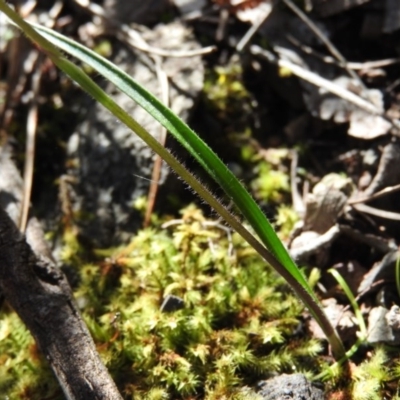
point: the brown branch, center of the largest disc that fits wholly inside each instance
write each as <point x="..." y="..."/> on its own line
<point x="40" y="294"/>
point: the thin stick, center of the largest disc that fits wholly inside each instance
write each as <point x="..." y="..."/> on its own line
<point x="367" y="65"/>
<point x="133" y="37"/>
<point x="377" y="212"/>
<point x="40" y="294"/>
<point x="297" y="201"/>
<point x="155" y="177"/>
<point x="330" y="86"/>
<point x="31" y="129"/>
<point x="252" y="31"/>
<point x="324" y="39"/>
<point x="220" y="32"/>
<point x="381" y="193"/>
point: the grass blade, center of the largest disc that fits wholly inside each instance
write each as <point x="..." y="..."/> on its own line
<point x="190" y="140"/>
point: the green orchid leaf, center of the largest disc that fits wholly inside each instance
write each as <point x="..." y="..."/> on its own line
<point x="277" y="255"/>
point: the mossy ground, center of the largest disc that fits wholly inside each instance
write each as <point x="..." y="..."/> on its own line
<point x="240" y="322"/>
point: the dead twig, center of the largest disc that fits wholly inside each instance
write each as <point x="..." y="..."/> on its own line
<point x="297" y="200"/>
<point x="40" y="294"/>
<point x="31" y="129"/>
<point x="222" y="25"/>
<point x="329" y="86"/>
<point x="377" y="195"/>
<point x="324" y="39"/>
<point x="133" y="37"/>
<point x="367" y="65"/>
<point x="32" y="120"/>
<point x="377" y="212"/>
<point x="156" y="173"/>
<point x="252" y="31"/>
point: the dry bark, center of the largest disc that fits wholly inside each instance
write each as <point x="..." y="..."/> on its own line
<point x="40" y="294"/>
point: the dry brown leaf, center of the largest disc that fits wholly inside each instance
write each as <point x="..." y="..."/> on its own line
<point x="247" y="10"/>
<point x="363" y="125"/>
<point x="366" y="126"/>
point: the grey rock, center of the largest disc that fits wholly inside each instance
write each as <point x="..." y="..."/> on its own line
<point x="384" y="326"/>
<point x="111" y="166"/>
<point x="289" y="387"/>
<point x="378" y="329"/>
<point x="172" y="303"/>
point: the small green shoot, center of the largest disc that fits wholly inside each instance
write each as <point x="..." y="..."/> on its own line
<point x="353" y="302"/>
<point x="331" y="370"/>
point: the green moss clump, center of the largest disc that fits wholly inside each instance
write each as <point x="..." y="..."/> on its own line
<point x="24" y="375"/>
<point x="232" y="331"/>
<point x="285" y="221"/>
<point x="225" y="92"/>
<point x="234" y="328"/>
<point x="371" y="376"/>
<point x="270" y="183"/>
